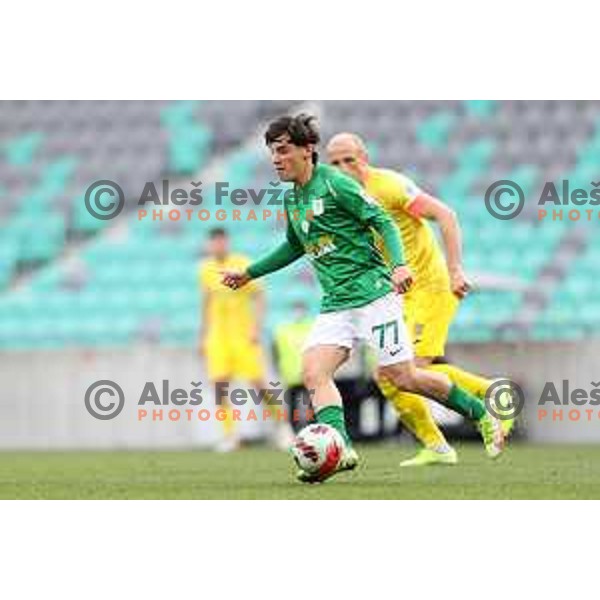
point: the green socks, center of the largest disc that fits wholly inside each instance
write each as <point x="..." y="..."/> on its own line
<point x="334" y="417"/>
<point x="462" y="402"/>
<point x="466" y="404"/>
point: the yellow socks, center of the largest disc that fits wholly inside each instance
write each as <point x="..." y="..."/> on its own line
<point x="414" y="412"/>
<point x="229" y="426"/>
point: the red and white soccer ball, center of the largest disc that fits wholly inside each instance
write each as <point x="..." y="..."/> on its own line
<point x="318" y="449"/>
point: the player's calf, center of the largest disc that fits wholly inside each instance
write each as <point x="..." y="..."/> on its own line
<point x="319" y="366"/>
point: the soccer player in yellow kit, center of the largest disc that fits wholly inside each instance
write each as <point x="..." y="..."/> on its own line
<point x="431" y="304"/>
<point x="231" y="324"/>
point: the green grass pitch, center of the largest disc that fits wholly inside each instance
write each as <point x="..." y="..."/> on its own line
<point x="525" y="471"/>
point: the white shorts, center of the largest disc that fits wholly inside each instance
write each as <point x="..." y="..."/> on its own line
<point x="379" y="324"/>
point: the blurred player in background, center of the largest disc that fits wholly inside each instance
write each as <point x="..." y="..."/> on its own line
<point x="332" y="220"/>
<point x="288" y="337"/>
<point x="230" y="335"/>
<point x="431" y="304"/>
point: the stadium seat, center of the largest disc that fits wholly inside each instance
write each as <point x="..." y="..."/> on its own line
<point x="142" y="282"/>
<point x="434" y="131"/>
<point x="21" y="151"/>
<point x="480" y="108"/>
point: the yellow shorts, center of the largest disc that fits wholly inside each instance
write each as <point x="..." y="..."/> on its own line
<point x="234" y="359"/>
<point x="428" y="316"/>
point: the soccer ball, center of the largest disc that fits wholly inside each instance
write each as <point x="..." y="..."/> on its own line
<point x="318" y="449"/>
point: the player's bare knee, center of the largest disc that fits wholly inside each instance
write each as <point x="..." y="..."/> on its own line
<point x="422" y="362"/>
<point x="319" y="365"/>
<point x="313" y="375"/>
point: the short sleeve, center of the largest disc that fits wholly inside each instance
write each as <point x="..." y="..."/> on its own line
<point x="401" y="190"/>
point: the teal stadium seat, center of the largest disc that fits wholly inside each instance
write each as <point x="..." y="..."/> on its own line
<point x="435" y="130"/>
<point x="146" y="280"/>
<point x="189" y="139"/>
<point x="8" y="259"/>
<point x="483" y="109"/>
<point x="21" y="150"/>
<point x="477" y="154"/>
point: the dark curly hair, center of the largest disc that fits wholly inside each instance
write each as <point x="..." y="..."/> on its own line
<point x="303" y="129"/>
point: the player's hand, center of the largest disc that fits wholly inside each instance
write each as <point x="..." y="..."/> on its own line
<point x="235" y="279"/>
<point x="402" y="279"/>
<point x="459" y="283"/>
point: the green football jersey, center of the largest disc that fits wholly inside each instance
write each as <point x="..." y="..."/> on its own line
<point x="332" y="219"/>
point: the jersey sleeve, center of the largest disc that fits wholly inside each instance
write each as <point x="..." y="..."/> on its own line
<point x="404" y="192"/>
<point x="401" y="190"/>
<point x="286" y="253"/>
<point x="351" y="197"/>
<point x="292" y="239"/>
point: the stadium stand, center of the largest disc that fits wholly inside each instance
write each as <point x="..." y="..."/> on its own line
<point x="67" y="278"/>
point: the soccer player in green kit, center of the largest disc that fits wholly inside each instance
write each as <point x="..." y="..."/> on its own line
<point x="332" y="221"/>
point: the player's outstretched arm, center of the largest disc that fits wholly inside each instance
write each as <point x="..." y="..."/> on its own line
<point x="429" y="207"/>
<point x="285" y="254"/>
<point x="282" y="256"/>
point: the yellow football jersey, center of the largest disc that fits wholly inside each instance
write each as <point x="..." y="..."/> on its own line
<point x="230" y="312"/>
<point x="395" y="192"/>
